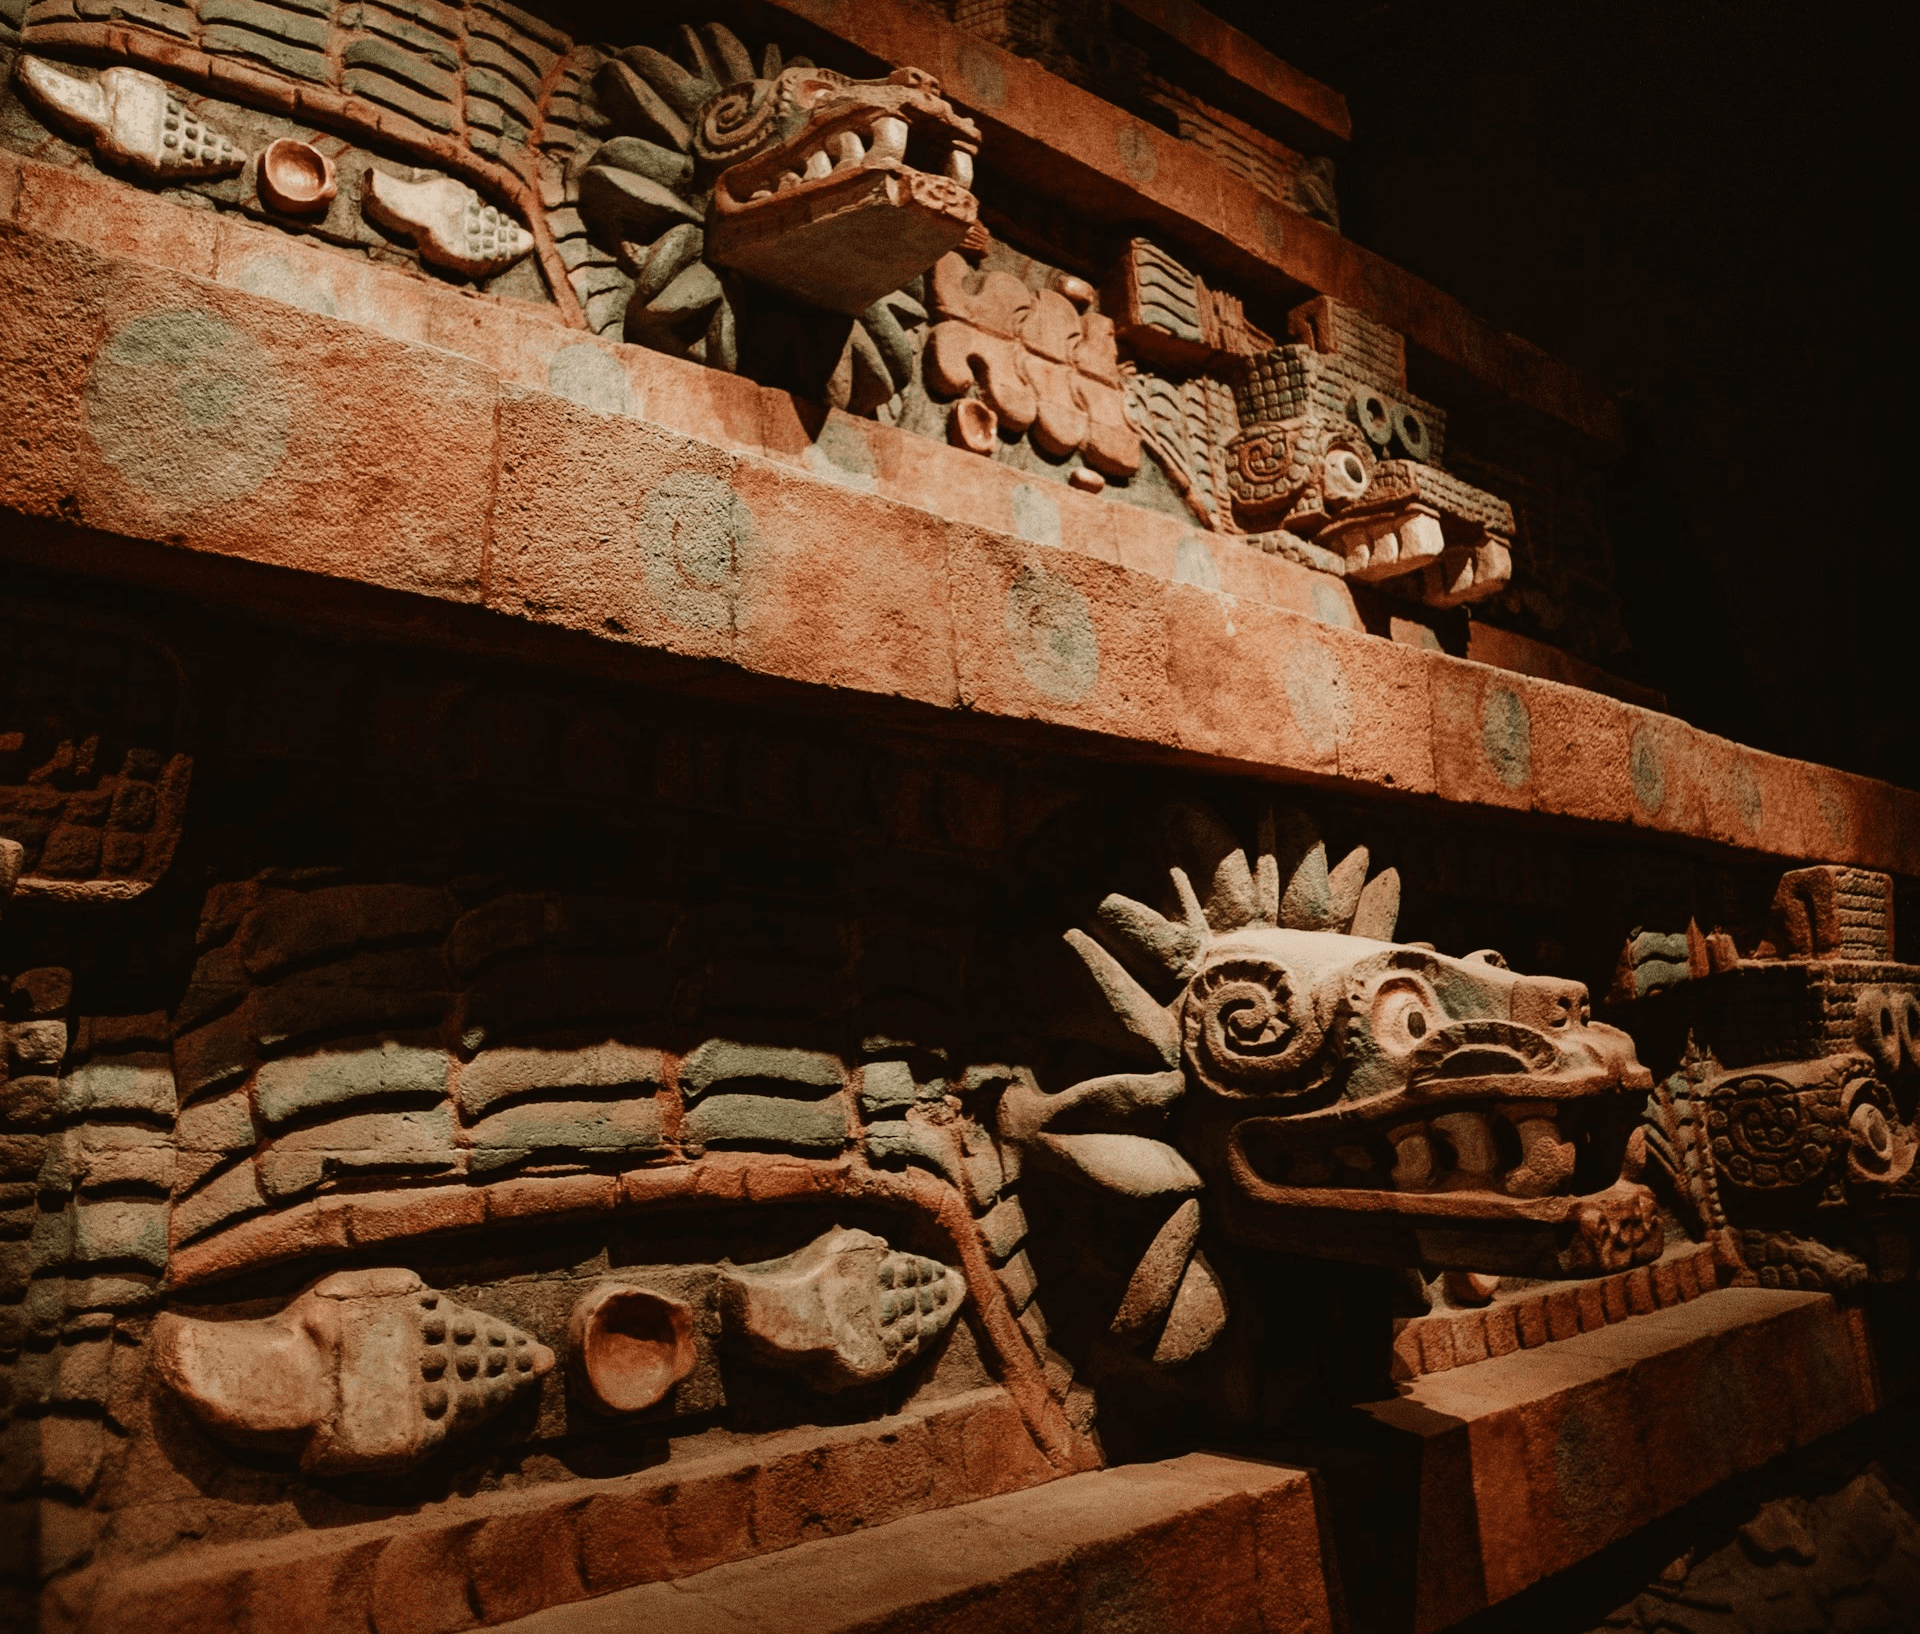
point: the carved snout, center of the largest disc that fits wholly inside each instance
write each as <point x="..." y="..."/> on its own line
<point x="1550" y="1004"/>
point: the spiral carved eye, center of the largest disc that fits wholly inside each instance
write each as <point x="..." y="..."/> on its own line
<point x="1248" y="1031"/>
<point x="736" y="122"/>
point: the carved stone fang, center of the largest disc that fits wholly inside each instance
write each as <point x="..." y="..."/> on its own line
<point x="889" y="139"/>
<point x="134" y="118"/>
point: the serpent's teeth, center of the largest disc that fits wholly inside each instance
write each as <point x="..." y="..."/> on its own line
<point x="960" y="167"/>
<point x="848" y="153"/>
<point x="819" y="166"/>
<point x="889" y="139"/>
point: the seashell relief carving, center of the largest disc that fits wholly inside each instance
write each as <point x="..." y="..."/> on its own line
<point x="845" y="1310"/>
<point x="367" y="1371"/>
<point x="373" y="1371"/>
<point x="133" y="119"/>
<point x="627" y="1347"/>
<point x="453" y="226"/>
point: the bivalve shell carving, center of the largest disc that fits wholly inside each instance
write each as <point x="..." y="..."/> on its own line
<point x="296" y="177"/>
<point x="627" y="1347"/>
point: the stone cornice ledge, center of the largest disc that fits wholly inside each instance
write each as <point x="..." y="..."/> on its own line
<point x="405" y="466"/>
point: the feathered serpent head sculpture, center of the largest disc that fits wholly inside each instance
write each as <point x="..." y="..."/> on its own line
<point x="728" y="175"/>
<point x="1336" y="1092"/>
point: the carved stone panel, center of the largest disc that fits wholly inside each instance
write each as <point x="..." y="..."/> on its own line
<point x="95" y="755"/>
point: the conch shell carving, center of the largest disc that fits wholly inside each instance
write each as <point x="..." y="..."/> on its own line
<point x="134" y="118"/>
<point x="452" y="226"/>
<point x="367" y="1371"/>
<point x="845" y="1310"/>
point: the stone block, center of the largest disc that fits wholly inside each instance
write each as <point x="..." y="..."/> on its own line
<point x="365" y="993"/>
<point x="227" y="1196"/>
<point x="1199" y="1542"/>
<point x="722" y="1061"/>
<point x="36" y="1046"/>
<point x="1044" y="634"/>
<point x="1003" y="1228"/>
<point x="419" y="1139"/>
<point x="120" y="1229"/>
<point x="886" y="1087"/>
<point x="507" y="924"/>
<point x="336" y="452"/>
<point x="585" y="1128"/>
<point x="21" y="1156"/>
<point x="1252" y="681"/>
<point x="908" y="1141"/>
<point x="767" y="1120"/>
<point x="841" y="588"/>
<point x="1582" y="753"/>
<point x="301" y="1084"/>
<point x="110" y="1085"/>
<point x="217" y="1123"/>
<point x="499" y="1076"/>
<point x="1540" y="1458"/>
<point x="297" y="929"/>
<point x="616" y="527"/>
<point x="1483" y="750"/>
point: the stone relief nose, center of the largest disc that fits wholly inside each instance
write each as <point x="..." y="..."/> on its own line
<point x="1549" y="1003"/>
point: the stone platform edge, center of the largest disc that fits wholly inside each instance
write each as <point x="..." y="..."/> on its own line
<point x="1531" y="1462"/>
<point x="473" y="1561"/>
<point x="1201" y="1542"/>
<point x="728" y="531"/>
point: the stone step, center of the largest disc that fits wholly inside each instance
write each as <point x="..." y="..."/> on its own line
<point x="1523" y="1465"/>
<point x="1204" y="1543"/>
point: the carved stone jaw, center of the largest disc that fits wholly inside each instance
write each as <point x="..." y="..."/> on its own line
<point x="833" y="213"/>
<point x="1465" y="1092"/>
<point x="833" y="125"/>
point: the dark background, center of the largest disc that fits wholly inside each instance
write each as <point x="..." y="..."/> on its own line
<point x="1700" y="204"/>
